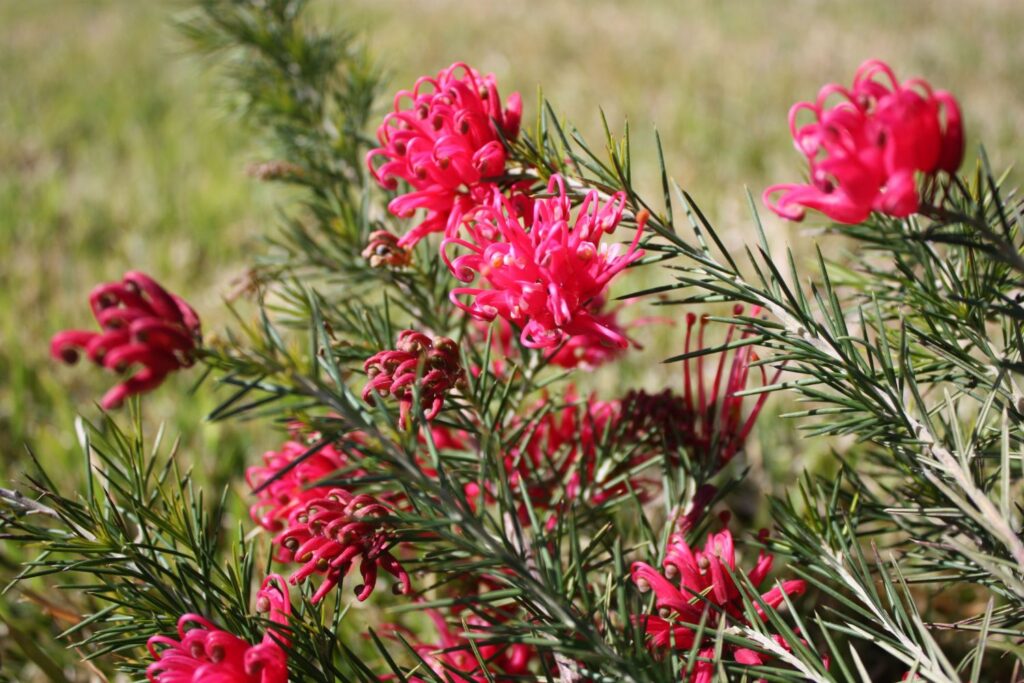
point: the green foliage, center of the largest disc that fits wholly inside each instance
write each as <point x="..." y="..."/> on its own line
<point x="910" y="346"/>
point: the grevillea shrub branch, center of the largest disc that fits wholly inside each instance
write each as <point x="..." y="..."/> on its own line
<point x="473" y="474"/>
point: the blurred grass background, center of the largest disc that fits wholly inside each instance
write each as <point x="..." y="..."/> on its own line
<point x="116" y="153"/>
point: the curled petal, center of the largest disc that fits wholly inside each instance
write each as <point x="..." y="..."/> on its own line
<point x="65" y="345"/>
<point x="141" y="323"/>
<point x="865" y="150"/>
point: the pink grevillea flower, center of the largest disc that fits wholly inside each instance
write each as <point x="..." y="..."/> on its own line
<point x="141" y="325"/>
<point x="327" y="535"/>
<point x="556" y="459"/>
<point x="588" y="351"/>
<point x="452" y="657"/>
<point x="699" y="582"/>
<point x="204" y="653"/>
<point x="582" y="351"/>
<point x="866" y="147"/>
<point x="708" y="419"/>
<point x="444" y="138"/>
<point x="283" y="487"/>
<point x="396" y="373"/>
<point x="545" y="278"/>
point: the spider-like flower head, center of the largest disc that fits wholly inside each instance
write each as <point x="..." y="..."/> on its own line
<point x="285" y="481"/>
<point x="204" y="653"/>
<point x="582" y="351"/>
<point x="545" y="274"/>
<point x="329" y="534"/>
<point x="698" y="581"/>
<point x="431" y="365"/>
<point x="867" y="146"/>
<point x="708" y="419"/>
<point x="444" y="138"/>
<point x="141" y="326"/>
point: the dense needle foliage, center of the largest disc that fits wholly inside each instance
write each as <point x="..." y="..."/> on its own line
<point x="420" y="331"/>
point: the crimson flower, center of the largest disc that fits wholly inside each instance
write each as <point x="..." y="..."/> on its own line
<point x="866" y="148"/>
<point x="705" y="587"/>
<point x="556" y="460"/>
<point x="396" y="373"/>
<point x="452" y="657"/>
<point x="141" y="324"/>
<point x="290" y="485"/>
<point x="708" y="419"/>
<point x="444" y="138"/>
<point x="543" y="274"/>
<point x="582" y="351"/>
<point x="328" y="534"/>
<point x="204" y="653"/>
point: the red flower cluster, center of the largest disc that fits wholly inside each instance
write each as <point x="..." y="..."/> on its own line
<point x="444" y="138"/>
<point x="328" y="534"/>
<point x="558" y="456"/>
<point x="452" y="657"/>
<point x="207" y="654"/>
<point x="396" y="372"/>
<point x="707" y="420"/>
<point x="865" y="149"/>
<point x="705" y="586"/>
<point x="578" y="351"/>
<point x="290" y="490"/>
<point x="141" y="325"/>
<point x="544" y="279"/>
<point x="587" y="351"/>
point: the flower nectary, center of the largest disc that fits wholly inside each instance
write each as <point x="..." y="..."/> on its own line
<point x="867" y="147"/>
<point x="327" y="535"/>
<point x="543" y="274"/>
<point x="141" y="325"/>
<point x="444" y="138"/>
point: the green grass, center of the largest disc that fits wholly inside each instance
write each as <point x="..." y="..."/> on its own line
<point x="113" y="157"/>
<point x="115" y="154"/>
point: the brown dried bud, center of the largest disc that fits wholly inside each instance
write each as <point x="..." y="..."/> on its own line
<point x="382" y="251"/>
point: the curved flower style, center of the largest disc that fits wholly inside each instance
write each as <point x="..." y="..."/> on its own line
<point x="544" y="279"/>
<point x="326" y="536"/>
<point x="204" y="653"/>
<point x="444" y="138"/>
<point x="452" y="657"/>
<point x="865" y="150"/>
<point x="279" y="498"/>
<point x="397" y="371"/>
<point x="706" y="420"/>
<point x="705" y="586"/>
<point x="141" y="324"/>
<point x="587" y="351"/>
<point x="582" y="351"/>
